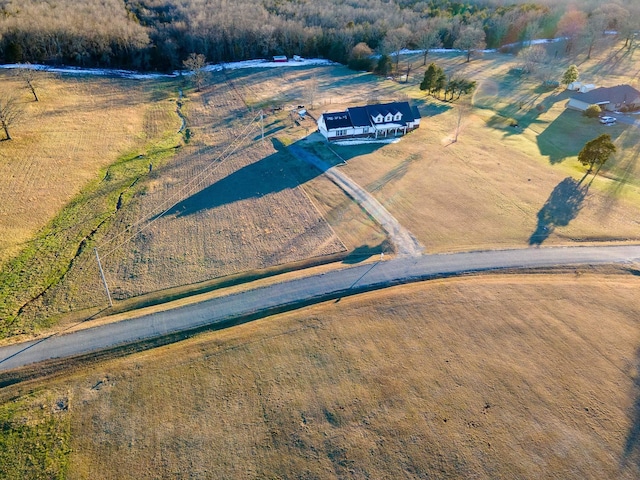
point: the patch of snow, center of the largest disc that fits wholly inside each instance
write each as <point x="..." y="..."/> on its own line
<point x="145" y="76"/>
<point x="267" y="64"/>
<point x="87" y="71"/>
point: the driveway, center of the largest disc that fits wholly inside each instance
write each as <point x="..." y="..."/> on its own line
<point x="403" y="240"/>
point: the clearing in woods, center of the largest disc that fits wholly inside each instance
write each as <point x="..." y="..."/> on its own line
<point x="505" y="376"/>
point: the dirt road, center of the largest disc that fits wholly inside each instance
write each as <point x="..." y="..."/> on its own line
<point x="405" y="243"/>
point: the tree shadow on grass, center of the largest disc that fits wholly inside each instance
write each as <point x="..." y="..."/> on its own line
<point x="429" y="107"/>
<point x="562" y="206"/>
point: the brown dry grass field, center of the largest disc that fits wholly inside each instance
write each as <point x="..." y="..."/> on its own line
<point x="79" y="126"/>
<point x="484" y="377"/>
<point x="497" y="376"/>
<point x="243" y="205"/>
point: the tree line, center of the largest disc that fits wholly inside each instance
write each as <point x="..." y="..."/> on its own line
<point x="161" y="34"/>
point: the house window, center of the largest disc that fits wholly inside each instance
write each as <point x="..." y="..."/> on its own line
<point x="377" y="118"/>
<point x="342" y="133"/>
<point x="388" y="118"/>
<point x="398" y="116"/>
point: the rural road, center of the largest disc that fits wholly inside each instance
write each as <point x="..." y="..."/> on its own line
<point x="405" y="243"/>
<point x="303" y="291"/>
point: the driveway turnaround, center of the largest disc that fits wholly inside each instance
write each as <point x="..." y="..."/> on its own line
<point x="300" y="292"/>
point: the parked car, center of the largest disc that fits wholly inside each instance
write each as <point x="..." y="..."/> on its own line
<point x="607" y="120"/>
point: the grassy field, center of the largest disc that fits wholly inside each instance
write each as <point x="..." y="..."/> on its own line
<point x="229" y="203"/>
<point x="486" y="377"/>
<point x="498" y="186"/>
<point x="73" y="162"/>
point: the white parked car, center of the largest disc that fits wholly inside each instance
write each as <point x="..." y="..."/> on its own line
<point x="607" y="120"/>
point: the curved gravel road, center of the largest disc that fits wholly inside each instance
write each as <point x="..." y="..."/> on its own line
<point x="403" y="240"/>
<point x="303" y="291"/>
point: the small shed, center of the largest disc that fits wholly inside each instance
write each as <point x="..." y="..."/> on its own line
<point x="575" y="86"/>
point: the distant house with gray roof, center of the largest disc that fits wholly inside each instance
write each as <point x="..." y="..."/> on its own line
<point x="612" y="99"/>
<point x="370" y="121"/>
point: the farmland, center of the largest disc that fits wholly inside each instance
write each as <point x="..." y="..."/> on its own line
<point x="495" y="376"/>
<point x="510" y="376"/>
<point x="220" y="201"/>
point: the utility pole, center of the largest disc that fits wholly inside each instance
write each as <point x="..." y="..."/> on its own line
<point x="104" y="280"/>
<point x="262" y="125"/>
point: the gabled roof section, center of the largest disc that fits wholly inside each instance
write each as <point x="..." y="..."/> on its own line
<point x="408" y="113"/>
<point x="363" y="116"/>
<point x="616" y="95"/>
<point x="337" y="120"/>
<point x="359" y="117"/>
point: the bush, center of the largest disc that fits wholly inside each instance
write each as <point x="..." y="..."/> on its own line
<point x="593" y="111"/>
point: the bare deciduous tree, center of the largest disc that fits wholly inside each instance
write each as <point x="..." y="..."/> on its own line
<point x="470" y="39"/>
<point x="195" y="63"/>
<point x="571" y="25"/>
<point x="28" y="75"/>
<point x="10" y="112"/>
<point x="395" y="41"/>
<point x="532" y="58"/>
<point x="428" y="35"/>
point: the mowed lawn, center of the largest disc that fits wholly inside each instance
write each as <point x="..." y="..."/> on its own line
<point x="486" y="377"/>
<point x="472" y="180"/>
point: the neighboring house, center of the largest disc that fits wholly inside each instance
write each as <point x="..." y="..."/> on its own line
<point x="280" y="58"/>
<point x="609" y="98"/>
<point x="371" y="121"/>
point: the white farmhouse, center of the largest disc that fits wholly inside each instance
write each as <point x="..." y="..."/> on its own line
<point x="371" y="121"/>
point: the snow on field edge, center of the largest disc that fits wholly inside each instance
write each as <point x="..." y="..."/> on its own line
<point x="260" y="63"/>
<point x="144" y="76"/>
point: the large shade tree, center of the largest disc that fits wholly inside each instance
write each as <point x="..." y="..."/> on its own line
<point x="596" y="152"/>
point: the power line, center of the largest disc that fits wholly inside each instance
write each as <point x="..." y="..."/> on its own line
<point x="188" y="189"/>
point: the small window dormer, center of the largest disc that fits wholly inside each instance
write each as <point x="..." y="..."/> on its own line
<point x="378" y="118"/>
<point x="397" y="117"/>
<point x="388" y="117"/>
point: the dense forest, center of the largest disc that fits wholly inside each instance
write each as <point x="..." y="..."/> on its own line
<point x="160" y="34"/>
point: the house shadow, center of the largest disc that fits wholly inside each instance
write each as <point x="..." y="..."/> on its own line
<point x="568" y="134"/>
<point x="271" y="174"/>
<point x="562" y="206"/>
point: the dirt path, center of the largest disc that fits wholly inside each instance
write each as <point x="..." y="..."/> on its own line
<point x="403" y="240"/>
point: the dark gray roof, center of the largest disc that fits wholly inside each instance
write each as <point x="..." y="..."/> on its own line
<point x="408" y="113"/>
<point x="616" y="95"/>
<point x="337" y="120"/>
<point x="361" y="116"/>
